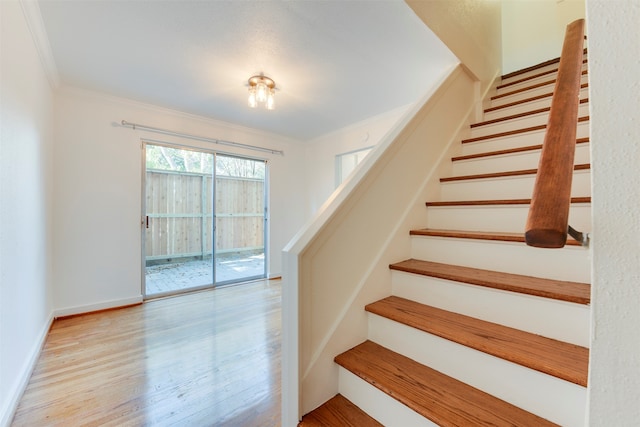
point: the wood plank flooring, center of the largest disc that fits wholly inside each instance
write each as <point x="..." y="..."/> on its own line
<point x="201" y="359"/>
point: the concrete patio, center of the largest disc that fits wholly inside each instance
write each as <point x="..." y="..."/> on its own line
<point x="174" y="277"/>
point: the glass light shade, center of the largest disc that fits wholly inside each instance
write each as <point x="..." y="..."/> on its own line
<point x="253" y="102"/>
<point x="261" y="92"/>
<point x="271" y="102"/>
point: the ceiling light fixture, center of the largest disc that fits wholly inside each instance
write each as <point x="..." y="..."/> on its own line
<point x="262" y="90"/>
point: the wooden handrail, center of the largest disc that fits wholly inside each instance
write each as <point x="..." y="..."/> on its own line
<point x="548" y="219"/>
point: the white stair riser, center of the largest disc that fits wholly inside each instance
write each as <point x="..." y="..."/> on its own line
<point x="509" y="96"/>
<point x="534" y="72"/>
<point x="517" y="140"/>
<point x="530" y="82"/>
<point x="527" y="106"/>
<point x="512" y="161"/>
<point x="502" y="218"/>
<point x="559" y="320"/>
<point x="511" y="187"/>
<point x="520" y="123"/>
<point x="570" y="263"/>
<point x="510" y="125"/>
<point x="377" y="404"/>
<point x="559" y="401"/>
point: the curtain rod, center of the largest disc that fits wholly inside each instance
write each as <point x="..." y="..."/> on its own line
<point x="200" y="138"/>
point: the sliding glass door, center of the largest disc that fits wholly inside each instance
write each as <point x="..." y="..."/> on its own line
<point x="204" y="219"/>
<point x="240" y="219"/>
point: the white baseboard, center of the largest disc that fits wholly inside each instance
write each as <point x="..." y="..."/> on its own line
<point x="98" y="306"/>
<point x="20" y="385"/>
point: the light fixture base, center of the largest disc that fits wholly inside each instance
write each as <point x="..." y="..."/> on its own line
<point x="268" y="82"/>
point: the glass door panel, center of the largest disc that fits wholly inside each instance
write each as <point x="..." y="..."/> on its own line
<point x="240" y="219"/>
<point x="179" y="214"/>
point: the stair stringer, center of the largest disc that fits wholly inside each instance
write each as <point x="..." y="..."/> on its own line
<point x="344" y="255"/>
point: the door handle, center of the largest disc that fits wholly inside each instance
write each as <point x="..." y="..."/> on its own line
<point x="147" y="221"/>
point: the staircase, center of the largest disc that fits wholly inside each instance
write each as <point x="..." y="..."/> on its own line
<point x="481" y="329"/>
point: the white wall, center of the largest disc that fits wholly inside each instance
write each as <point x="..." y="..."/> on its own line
<point x="97" y="240"/>
<point x="533" y="31"/>
<point x="321" y="153"/>
<point x="614" y="98"/>
<point x="26" y="144"/>
<point x="470" y="29"/>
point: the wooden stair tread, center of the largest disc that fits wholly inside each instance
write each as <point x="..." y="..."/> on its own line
<point x="496" y="202"/>
<point x="514" y="132"/>
<point x="535" y="67"/>
<point x="524" y="89"/>
<point x="584" y="166"/>
<point x="533" y="86"/>
<point x="478" y="235"/>
<point x="508" y="151"/>
<point x="518" y="116"/>
<point x="338" y="412"/>
<point x="438" y="397"/>
<point x="562" y="360"/>
<point x="511" y="117"/>
<point x="524" y="101"/>
<point x="579" y="293"/>
<point x="534" y="76"/>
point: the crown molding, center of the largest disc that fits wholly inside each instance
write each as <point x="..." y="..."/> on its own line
<point x="32" y="15"/>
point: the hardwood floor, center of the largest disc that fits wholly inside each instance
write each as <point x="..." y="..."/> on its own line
<point x="201" y="359"/>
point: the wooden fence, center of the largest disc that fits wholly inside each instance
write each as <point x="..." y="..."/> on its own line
<point x="180" y="210"/>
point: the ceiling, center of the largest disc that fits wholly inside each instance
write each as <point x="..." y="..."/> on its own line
<point x="334" y="62"/>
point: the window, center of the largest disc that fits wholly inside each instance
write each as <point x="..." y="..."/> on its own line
<point x="347" y="162"/>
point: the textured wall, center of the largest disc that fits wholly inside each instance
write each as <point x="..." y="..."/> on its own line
<point x="470" y="28"/>
<point x="614" y="67"/>
<point x="533" y="31"/>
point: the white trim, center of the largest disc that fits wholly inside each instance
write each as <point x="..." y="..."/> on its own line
<point x="80" y="309"/>
<point x="32" y="15"/>
<point x="16" y="392"/>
